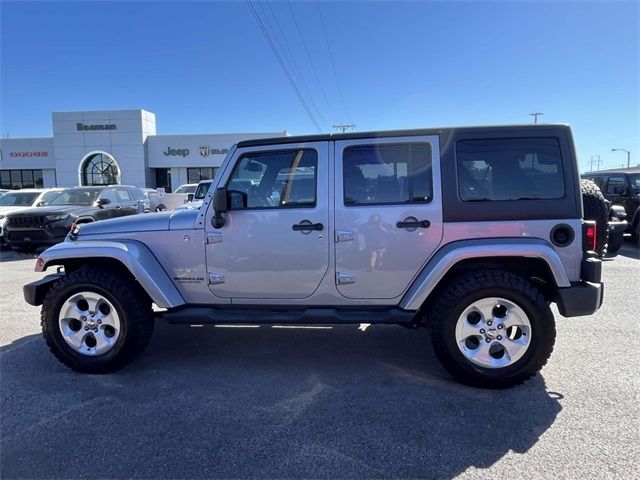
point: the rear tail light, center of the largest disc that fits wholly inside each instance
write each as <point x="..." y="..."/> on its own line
<point x="590" y="236"/>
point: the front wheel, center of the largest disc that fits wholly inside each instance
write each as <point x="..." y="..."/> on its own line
<point x="96" y="321"/>
<point x="492" y="329"/>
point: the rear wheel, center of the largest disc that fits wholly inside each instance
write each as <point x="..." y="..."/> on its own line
<point x="95" y="321"/>
<point x="492" y="329"/>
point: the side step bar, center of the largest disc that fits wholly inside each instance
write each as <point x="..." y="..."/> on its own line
<point x="283" y="315"/>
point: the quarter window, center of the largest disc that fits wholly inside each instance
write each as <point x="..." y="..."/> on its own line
<point x="276" y="179"/>
<point x="509" y="169"/>
<point x="387" y="174"/>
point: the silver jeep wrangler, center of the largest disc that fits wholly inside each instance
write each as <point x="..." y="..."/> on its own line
<point x="470" y="231"/>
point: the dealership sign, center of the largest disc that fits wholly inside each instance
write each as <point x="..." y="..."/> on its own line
<point x="103" y="126"/>
<point x="176" y="152"/>
<point x="29" y="154"/>
<point x="205" y="151"/>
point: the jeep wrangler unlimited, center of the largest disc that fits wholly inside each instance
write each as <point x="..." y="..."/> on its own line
<point x="470" y="231"/>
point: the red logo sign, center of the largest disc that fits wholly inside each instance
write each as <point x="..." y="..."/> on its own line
<point x="29" y="154"/>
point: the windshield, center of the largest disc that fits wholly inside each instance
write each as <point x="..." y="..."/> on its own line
<point x="634" y="180"/>
<point x="186" y="189"/>
<point x="76" y="196"/>
<point x="202" y="190"/>
<point x="18" y="199"/>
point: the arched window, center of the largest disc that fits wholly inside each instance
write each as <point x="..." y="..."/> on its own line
<point x="100" y="169"/>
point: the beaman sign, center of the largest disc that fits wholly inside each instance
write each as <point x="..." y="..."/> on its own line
<point x="104" y="126"/>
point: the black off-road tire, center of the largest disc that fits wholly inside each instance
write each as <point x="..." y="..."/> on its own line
<point x="131" y="303"/>
<point x="615" y="243"/>
<point x="596" y="208"/>
<point x="454" y="297"/>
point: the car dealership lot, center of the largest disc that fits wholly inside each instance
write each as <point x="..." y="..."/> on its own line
<point x="319" y="402"/>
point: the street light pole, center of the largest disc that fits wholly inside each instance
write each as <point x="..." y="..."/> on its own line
<point x="628" y="154"/>
<point x="535" y="116"/>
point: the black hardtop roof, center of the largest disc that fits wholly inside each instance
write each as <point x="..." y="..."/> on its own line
<point x="395" y="133"/>
<point x="615" y="170"/>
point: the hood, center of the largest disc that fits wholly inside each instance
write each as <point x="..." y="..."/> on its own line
<point x="6" y="210"/>
<point x="75" y="210"/>
<point x="145" y="222"/>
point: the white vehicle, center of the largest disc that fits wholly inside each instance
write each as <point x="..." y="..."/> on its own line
<point x="16" y="200"/>
<point x="171" y="201"/>
<point x="195" y="200"/>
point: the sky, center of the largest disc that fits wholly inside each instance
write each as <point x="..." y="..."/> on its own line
<point x="206" y="67"/>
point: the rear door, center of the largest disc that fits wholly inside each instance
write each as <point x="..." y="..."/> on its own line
<point x="388" y="213"/>
<point x="128" y="204"/>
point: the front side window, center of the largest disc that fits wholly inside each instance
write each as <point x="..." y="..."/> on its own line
<point x="276" y="179"/>
<point x="509" y="169"/>
<point x="387" y="174"/>
<point x="616" y="185"/>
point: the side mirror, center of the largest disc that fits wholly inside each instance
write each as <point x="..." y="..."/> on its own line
<point x="101" y="202"/>
<point x="190" y="197"/>
<point x="220" y="206"/>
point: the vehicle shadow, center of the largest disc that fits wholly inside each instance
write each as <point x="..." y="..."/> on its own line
<point x="8" y="255"/>
<point x="262" y="403"/>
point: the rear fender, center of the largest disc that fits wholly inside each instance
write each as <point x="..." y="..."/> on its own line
<point x="448" y="256"/>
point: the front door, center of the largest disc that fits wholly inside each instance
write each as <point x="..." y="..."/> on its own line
<point x="275" y="242"/>
<point x="388" y="213"/>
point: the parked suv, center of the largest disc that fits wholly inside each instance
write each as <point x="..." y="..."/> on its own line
<point x="621" y="187"/>
<point x="51" y="221"/>
<point x="470" y="231"/>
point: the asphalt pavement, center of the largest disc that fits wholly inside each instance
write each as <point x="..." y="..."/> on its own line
<point x="341" y="402"/>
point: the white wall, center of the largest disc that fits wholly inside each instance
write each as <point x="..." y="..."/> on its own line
<point x="124" y="142"/>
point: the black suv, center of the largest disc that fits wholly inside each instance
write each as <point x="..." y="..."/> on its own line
<point x="49" y="223"/>
<point x="621" y="187"/>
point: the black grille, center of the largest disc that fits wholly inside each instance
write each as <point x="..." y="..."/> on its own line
<point x="26" y="221"/>
<point x="33" y="236"/>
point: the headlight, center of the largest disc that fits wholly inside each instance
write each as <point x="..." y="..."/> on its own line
<point x="60" y="216"/>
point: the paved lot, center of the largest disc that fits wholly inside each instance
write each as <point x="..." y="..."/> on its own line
<point x="291" y="403"/>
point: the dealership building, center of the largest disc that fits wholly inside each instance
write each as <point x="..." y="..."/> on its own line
<point x="113" y="147"/>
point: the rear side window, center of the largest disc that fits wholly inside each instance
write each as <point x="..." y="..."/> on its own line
<point x="123" y="195"/>
<point x="509" y="169"/>
<point x="387" y="174"/>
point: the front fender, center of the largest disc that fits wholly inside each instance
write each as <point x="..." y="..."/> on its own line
<point x="453" y="253"/>
<point x="134" y="255"/>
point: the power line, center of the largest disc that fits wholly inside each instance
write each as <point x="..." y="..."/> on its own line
<point x="288" y="54"/>
<point x="313" y="68"/>
<point x="283" y="66"/>
<point x="333" y="66"/>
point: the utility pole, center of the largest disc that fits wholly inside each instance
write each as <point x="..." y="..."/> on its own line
<point x="628" y="154"/>
<point x="535" y="116"/>
<point x="594" y="159"/>
<point x="344" y="127"/>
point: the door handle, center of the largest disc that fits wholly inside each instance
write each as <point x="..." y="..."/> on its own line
<point x="414" y="224"/>
<point x="307" y="226"/>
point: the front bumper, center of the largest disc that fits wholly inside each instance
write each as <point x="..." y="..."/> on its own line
<point x="35" y="237"/>
<point x="34" y="292"/>
<point x="584" y="297"/>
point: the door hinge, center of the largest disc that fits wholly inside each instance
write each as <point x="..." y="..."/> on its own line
<point x="214" y="237"/>
<point x="215" y="278"/>
<point x="345" y="278"/>
<point x="345" y="235"/>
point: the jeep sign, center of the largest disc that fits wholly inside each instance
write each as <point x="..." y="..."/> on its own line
<point x="176" y="152"/>
<point x="106" y="126"/>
